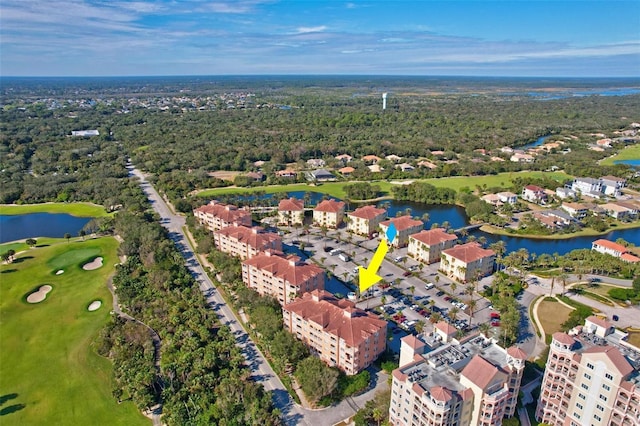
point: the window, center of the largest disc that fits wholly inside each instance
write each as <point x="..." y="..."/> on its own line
<point x="602" y="397"/>
<point x="587" y="376"/>
<point x="584" y="386"/>
<point x="606" y="387"/>
<point x="600" y="407"/>
<point x="576" y="415"/>
<point x="579" y="406"/>
<point x="581" y="396"/>
<point x="608" y="376"/>
<point x="597" y="417"/>
<point x="590" y="366"/>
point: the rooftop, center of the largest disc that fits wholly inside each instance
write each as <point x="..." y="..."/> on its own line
<point x="610" y="245"/>
<point x="291" y="204"/>
<point x="255" y="237"/>
<point x="227" y="212"/>
<point x="433" y="237"/>
<point x="367" y="212"/>
<point x="290" y="269"/>
<point x="403" y="222"/>
<point x="330" y="206"/>
<point x="469" y="252"/>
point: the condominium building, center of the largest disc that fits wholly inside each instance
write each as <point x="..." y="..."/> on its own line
<point x="336" y="331"/>
<point x="284" y="278"/>
<point x="365" y="220"/>
<point x="215" y="216"/>
<point x="426" y="246"/>
<point x="329" y="213"/>
<point x="591" y="378"/>
<point x="445" y="382"/>
<point x="467" y="262"/>
<point x="245" y="242"/>
<point x="405" y="226"/>
<point x="534" y="194"/>
<point x="608" y="247"/>
<point x="612" y="185"/>
<point x="291" y="212"/>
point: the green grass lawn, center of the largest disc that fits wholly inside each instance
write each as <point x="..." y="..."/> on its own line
<point x="552" y="315"/>
<point x="336" y="189"/>
<point x="48" y="361"/>
<point x="74" y="209"/>
<point x="629" y="153"/>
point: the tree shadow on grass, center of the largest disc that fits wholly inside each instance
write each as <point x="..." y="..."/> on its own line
<point x="43" y="245"/>
<point x="22" y="259"/>
<point x="11" y="409"/>
<point x="8" y="271"/>
<point x="7" y="397"/>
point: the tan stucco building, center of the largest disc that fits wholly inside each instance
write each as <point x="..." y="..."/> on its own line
<point x="405" y="226"/>
<point x="426" y="246"/>
<point x="291" y="212"/>
<point x="245" y="242"/>
<point x="365" y="220"/>
<point x="467" y="262"/>
<point x="329" y="213"/>
<point x="215" y="216"/>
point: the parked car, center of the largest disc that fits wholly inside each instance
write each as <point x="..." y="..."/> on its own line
<point x="429" y="286"/>
<point x="344" y="257"/>
<point x="413" y="268"/>
<point x="615" y="317"/>
<point x="399" y="259"/>
<point x="328" y="249"/>
<point x="495" y="315"/>
<point x="333" y="252"/>
<point x="495" y="323"/>
<point x="406" y="273"/>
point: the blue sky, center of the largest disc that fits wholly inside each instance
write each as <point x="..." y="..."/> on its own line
<point x="577" y="38"/>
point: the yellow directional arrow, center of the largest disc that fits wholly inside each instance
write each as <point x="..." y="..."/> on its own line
<point x="369" y="276"/>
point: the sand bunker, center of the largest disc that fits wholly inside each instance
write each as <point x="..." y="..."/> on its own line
<point x="94" y="264"/>
<point x="40" y="295"/>
<point x="94" y="306"/>
<point x="60" y="272"/>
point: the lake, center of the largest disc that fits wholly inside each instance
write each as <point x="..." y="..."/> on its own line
<point x="457" y="218"/>
<point x="634" y="163"/>
<point x="18" y="227"/>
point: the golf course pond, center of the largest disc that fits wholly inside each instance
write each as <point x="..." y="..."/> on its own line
<point x="34" y="225"/>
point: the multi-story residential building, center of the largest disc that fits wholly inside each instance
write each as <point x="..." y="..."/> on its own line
<point x="215" y="216"/>
<point x="507" y="197"/>
<point x="565" y="192"/>
<point x="290" y="212"/>
<point x="287" y="174"/>
<point x="576" y="210"/>
<point x="612" y="185"/>
<point x="608" y="247"/>
<point x="405" y="226"/>
<point x="467" y="262"/>
<point x="329" y="213"/>
<point x="284" y="278"/>
<point x="245" y="242"/>
<point x="446" y="382"/>
<point x="426" y="246"/>
<point x="335" y="330"/>
<point x="620" y="210"/>
<point x="534" y="194"/>
<point x="591" y="378"/>
<point x="588" y="186"/>
<point x="365" y="220"/>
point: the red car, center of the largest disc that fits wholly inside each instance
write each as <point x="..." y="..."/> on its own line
<point x="495" y="323"/>
<point x="495" y="315"/>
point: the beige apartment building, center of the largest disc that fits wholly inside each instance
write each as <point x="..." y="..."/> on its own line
<point x="245" y="242"/>
<point x="405" y="226"/>
<point x="342" y="335"/>
<point x="426" y="246"/>
<point x="291" y="212"/>
<point x="284" y="278"/>
<point x="329" y="213"/>
<point x="445" y="382"/>
<point x="467" y="262"/>
<point x="365" y="220"/>
<point x="215" y="216"/>
<point x="591" y="378"/>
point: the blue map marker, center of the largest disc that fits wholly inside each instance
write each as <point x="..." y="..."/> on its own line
<point x="391" y="233"/>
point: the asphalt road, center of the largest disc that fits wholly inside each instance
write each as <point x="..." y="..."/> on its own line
<point x="261" y="371"/>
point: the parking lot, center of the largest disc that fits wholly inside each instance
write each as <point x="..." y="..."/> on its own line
<point x="410" y="292"/>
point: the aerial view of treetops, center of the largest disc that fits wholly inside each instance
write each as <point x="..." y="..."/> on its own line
<point x="507" y="153"/>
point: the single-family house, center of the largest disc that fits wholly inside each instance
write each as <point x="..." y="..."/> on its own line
<point x="576" y="210"/>
<point x="320" y="175"/>
<point x="287" y="174"/>
<point x="393" y="158"/>
<point x="405" y="167"/>
<point x="316" y="163"/>
<point x="371" y="159"/>
<point x="329" y="213"/>
<point x="427" y="164"/>
<point x="507" y="197"/>
<point x="257" y="176"/>
<point x="620" y="210"/>
<point x="612" y="185"/>
<point x="492" y="199"/>
<point x="426" y="246"/>
<point x="522" y="158"/>
<point x="344" y="158"/>
<point x="347" y="171"/>
<point x="588" y="186"/>
<point x="608" y="247"/>
<point x="566" y="192"/>
<point x="534" y="194"/>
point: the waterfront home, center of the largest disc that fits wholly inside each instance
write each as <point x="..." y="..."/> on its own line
<point x="612" y="185"/>
<point x="492" y="199"/>
<point x="566" y="192"/>
<point x="405" y="226"/>
<point x="320" y="175"/>
<point x="245" y="242"/>
<point x="534" y="194"/>
<point x="620" y="210"/>
<point x="287" y="174"/>
<point x="467" y="262"/>
<point x="329" y="213"/>
<point x="426" y="246"/>
<point x="507" y="197"/>
<point x="588" y="187"/>
<point x="284" y="278"/>
<point x="608" y="247"/>
<point x="365" y="220"/>
<point x="290" y="212"/>
<point x="340" y="334"/>
<point x="576" y="210"/>
<point x="215" y="216"/>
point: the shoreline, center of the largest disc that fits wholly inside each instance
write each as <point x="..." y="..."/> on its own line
<point x="490" y="229"/>
<point x="77" y="209"/>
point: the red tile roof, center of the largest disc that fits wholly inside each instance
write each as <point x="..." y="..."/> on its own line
<point x="413" y="342"/>
<point x="337" y="316"/>
<point x="446" y="327"/>
<point x="290" y="204"/>
<point x="347" y="169"/>
<point x="610" y="245"/>
<point x="517" y="353"/>
<point x="481" y="372"/>
<point x="367" y="212"/>
<point x="255" y="237"/>
<point x="599" y="321"/>
<point x="330" y="206"/>
<point x="628" y="257"/>
<point x="441" y="394"/>
<point x="403" y="222"/>
<point x="469" y="252"/>
<point x="434" y="237"/>
<point x="534" y="188"/>
<point x="563" y="338"/>
<point x="614" y="356"/>
<point x="226" y="212"/>
<point x="288" y="268"/>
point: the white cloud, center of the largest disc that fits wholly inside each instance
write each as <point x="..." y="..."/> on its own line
<point x="304" y="30"/>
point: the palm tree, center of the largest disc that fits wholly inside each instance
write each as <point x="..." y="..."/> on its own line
<point x="412" y="289"/>
<point x="31" y="242"/>
<point x="425" y="217"/>
<point x="484" y="328"/>
<point x="553" y="280"/>
<point x="472" y="303"/>
<point x="378" y="415"/>
<point x="419" y="326"/>
<point x="453" y="313"/>
<point x="67" y="236"/>
<point x="454" y="286"/>
<point x="563" y="278"/>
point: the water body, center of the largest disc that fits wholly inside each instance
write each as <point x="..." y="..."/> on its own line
<point x="634" y="163"/>
<point x="18" y="227"/>
<point x="541" y="140"/>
